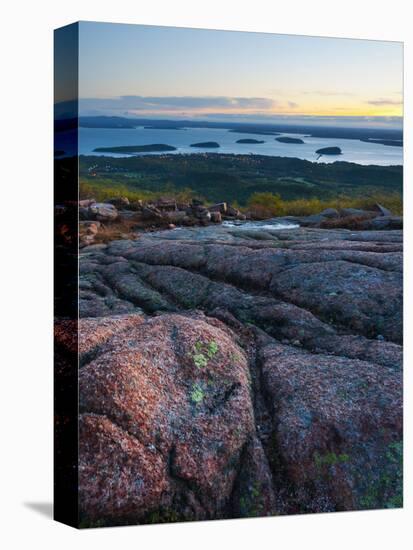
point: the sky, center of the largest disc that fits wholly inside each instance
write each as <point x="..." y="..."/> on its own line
<point x="146" y="71"/>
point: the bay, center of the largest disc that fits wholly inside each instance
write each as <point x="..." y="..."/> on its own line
<point x="352" y="150"/>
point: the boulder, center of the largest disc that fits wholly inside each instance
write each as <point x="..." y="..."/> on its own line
<point x="84" y="213"/>
<point x="182" y="205"/>
<point x="216" y="217"/>
<point x="87" y="232"/>
<point x="382" y="210"/>
<point x="176" y="217"/>
<point x="329" y="213"/>
<point x="355" y="212"/>
<point x="231" y="211"/>
<point x="205" y="216"/>
<point x="219" y="207"/>
<point x="130" y="215"/>
<point x="103" y="212"/>
<point x="135" y="205"/>
<point x="384" y="222"/>
<point x="166" y="204"/>
<point x="151" y="213"/>
<point x="119" y="202"/>
<point x="85" y="203"/>
<point x="313" y="220"/>
<point x="165" y="415"/>
<point x="338" y="428"/>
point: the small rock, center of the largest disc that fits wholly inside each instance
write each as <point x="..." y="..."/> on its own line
<point x="382" y="210"/>
<point x="220" y="207"/>
<point x="330" y="213"/>
<point x="103" y="212"/>
<point x="216" y="217"/>
<point x="119" y="202"/>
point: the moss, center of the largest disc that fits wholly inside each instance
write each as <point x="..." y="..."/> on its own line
<point x="212" y="349"/>
<point x="200" y="360"/>
<point x="197" y="394"/>
<point x="386" y="491"/>
<point x="330" y="459"/>
<point x="203" y="352"/>
<point x="163" y="516"/>
<point x="249" y="503"/>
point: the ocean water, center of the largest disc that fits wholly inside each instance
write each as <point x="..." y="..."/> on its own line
<point x="353" y="150"/>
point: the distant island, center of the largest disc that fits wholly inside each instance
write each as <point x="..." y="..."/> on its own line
<point x="378" y="134"/>
<point x="163" y="128"/>
<point x="254" y="131"/>
<point x="250" y="141"/>
<point x="206" y="144"/>
<point x="286" y="139"/>
<point x="107" y="122"/>
<point x="391" y="142"/>
<point x="155" y="147"/>
<point x="329" y="151"/>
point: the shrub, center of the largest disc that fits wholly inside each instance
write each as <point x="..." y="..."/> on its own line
<point x="267" y="205"/>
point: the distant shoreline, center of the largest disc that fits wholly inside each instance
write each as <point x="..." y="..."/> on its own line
<point x="336" y="132"/>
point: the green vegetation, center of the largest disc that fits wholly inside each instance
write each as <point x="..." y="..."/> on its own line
<point x="249" y="503"/>
<point x="293" y="186"/>
<point x="212" y="349"/>
<point x="200" y="360"/>
<point x="387" y="490"/>
<point x="330" y="459"/>
<point x="197" y="394"/>
<point x="104" y="189"/>
<point x="204" y="352"/>
<point x="271" y="204"/>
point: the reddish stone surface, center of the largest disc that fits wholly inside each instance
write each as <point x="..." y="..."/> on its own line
<point x="290" y="403"/>
<point x="176" y="389"/>
<point x="337" y="428"/>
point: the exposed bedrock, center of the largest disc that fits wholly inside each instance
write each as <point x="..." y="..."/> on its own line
<point x="233" y="375"/>
<point x="351" y="284"/>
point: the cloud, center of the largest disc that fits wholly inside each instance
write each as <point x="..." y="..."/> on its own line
<point x="292" y="104"/>
<point x="175" y="103"/>
<point x="383" y="102"/>
<point x="327" y="93"/>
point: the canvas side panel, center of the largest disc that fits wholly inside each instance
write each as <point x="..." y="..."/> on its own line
<point x="66" y="49"/>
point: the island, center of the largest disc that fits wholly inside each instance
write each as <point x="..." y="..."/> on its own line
<point x="206" y="144"/>
<point x="254" y="131"/>
<point x="250" y="141"/>
<point x="163" y="128"/>
<point x="286" y="139"/>
<point x="329" y="151"/>
<point x="153" y="148"/>
<point x="389" y="142"/>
